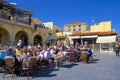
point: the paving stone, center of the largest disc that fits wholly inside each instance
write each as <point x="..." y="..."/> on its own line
<point x="105" y="67"/>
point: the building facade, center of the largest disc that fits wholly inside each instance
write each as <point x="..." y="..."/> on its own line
<point x="101" y="27"/>
<point x="100" y="37"/>
<point x="51" y="26"/>
<point x="76" y="27"/>
<point x="16" y="24"/>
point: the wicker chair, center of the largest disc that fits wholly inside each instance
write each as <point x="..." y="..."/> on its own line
<point x="9" y="65"/>
<point x="28" y="66"/>
<point x="84" y="56"/>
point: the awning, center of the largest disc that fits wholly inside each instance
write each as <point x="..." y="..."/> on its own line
<point x="50" y="37"/>
<point x="92" y="36"/>
<point x="74" y="37"/>
<point x="106" y="39"/>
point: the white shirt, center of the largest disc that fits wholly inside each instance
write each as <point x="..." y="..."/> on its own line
<point x="52" y="51"/>
<point x="43" y="54"/>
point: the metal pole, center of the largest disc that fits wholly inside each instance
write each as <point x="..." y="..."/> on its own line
<point x="93" y="44"/>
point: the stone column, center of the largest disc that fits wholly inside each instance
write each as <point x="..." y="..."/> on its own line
<point x="12" y="43"/>
<point x="71" y="41"/>
<point x="11" y="40"/>
<point x="30" y="39"/>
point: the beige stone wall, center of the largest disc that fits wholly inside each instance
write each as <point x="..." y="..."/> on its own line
<point x="79" y="27"/>
<point x="13" y="28"/>
<point x="101" y="27"/>
<point x="35" y="21"/>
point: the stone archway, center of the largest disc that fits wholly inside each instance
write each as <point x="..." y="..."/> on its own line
<point x="37" y="40"/>
<point x="23" y="36"/>
<point x="4" y="37"/>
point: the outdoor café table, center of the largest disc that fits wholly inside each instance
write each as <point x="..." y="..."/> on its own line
<point x="56" y="57"/>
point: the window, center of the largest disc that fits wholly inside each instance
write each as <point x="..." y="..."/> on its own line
<point x="73" y="26"/>
<point x="65" y="35"/>
<point x="49" y="33"/>
<point x="68" y="29"/>
<point x="36" y="25"/>
<point x="79" y="25"/>
<point x="57" y="30"/>
<point x="68" y="26"/>
<point x="74" y="29"/>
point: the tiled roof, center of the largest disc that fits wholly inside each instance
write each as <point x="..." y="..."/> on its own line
<point x="93" y="33"/>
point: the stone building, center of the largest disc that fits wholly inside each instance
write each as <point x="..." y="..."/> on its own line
<point x="100" y="37"/>
<point x="76" y="27"/>
<point x="16" y="24"/>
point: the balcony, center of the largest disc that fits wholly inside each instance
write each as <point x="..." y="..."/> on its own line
<point x="41" y="26"/>
<point x="15" y="23"/>
<point x="12" y="13"/>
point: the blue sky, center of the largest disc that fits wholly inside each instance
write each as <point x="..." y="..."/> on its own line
<point x="63" y="12"/>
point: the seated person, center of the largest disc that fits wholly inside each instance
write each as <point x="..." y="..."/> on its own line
<point x="24" y="55"/>
<point x="89" y="51"/>
<point x="2" y="55"/>
<point x="62" y="57"/>
<point x="44" y="57"/>
<point x="11" y="53"/>
<point x="18" y="53"/>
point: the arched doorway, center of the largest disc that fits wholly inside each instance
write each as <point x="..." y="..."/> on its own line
<point x="23" y="36"/>
<point x="4" y="37"/>
<point x="37" y="40"/>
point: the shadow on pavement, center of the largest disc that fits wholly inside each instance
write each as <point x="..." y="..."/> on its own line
<point x="45" y="73"/>
<point x="69" y="65"/>
<point x="95" y="61"/>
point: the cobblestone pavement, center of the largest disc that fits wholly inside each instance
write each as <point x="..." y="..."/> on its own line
<point x="105" y="67"/>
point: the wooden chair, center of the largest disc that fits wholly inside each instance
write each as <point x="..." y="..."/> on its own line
<point x="38" y="64"/>
<point x="44" y="62"/>
<point x="84" y="56"/>
<point x="28" y="66"/>
<point x="9" y="65"/>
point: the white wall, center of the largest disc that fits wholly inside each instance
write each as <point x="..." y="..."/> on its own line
<point x="49" y="25"/>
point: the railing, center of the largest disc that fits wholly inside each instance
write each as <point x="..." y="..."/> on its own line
<point x="41" y="26"/>
<point x="3" y="16"/>
<point x="16" y="23"/>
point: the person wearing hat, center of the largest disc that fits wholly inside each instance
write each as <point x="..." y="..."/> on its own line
<point x="20" y="43"/>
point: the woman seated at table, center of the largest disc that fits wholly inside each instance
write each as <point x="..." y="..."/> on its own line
<point x="62" y="57"/>
<point x="24" y="55"/>
<point x="43" y="57"/>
